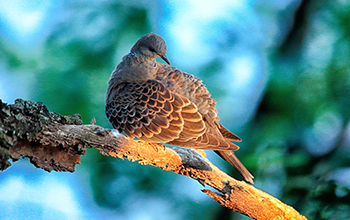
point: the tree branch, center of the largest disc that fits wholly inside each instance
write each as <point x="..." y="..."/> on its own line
<point x="55" y="142"/>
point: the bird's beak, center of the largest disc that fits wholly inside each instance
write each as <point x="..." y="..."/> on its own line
<point x="165" y="59"/>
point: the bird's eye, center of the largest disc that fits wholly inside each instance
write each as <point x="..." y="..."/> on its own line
<point x="152" y="49"/>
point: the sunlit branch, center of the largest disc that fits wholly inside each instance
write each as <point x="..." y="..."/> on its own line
<point x="54" y="142"/>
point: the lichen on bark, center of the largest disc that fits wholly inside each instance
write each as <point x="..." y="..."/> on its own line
<point x="24" y="120"/>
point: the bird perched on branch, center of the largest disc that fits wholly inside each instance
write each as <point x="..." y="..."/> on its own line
<point x="158" y="103"/>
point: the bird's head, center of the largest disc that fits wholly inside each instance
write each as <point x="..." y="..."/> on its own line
<point x="151" y="45"/>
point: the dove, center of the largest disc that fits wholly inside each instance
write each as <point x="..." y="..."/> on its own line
<point x="158" y="103"/>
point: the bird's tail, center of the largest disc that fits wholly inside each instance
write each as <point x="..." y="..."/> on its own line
<point x="231" y="157"/>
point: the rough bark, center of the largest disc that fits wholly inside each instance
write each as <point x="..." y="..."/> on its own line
<point x="55" y="142"/>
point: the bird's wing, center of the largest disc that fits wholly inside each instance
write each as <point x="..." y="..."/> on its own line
<point x="228" y="135"/>
<point x="187" y="85"/>
<point x="145" y="110"/>
<point x="150" y="112"/>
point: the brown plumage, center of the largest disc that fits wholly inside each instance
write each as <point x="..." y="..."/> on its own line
<point x="158" y="103"/>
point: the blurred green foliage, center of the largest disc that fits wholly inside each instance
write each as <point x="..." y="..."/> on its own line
<point x="302" y="123"/>
<point x="297" y="139"/>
